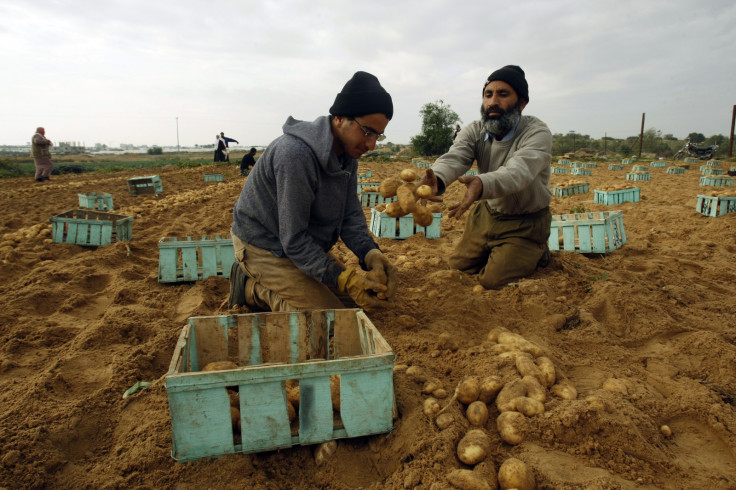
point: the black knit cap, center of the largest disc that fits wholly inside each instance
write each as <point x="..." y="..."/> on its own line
<point x="514" y="76"/>
<point x="363" y="94"/>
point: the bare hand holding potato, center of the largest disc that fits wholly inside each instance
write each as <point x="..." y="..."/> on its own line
<point x="473" y="191"/>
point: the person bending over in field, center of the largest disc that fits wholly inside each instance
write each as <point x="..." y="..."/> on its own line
<point x="506" y="232"/>
<point x="300" y="199"/>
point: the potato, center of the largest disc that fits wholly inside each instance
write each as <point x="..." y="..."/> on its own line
<point x="219" y="366"/>
<point x="526" y="367"/>
<point x="489" y="388"/>
<point x="335" y="391"/>
<point x="468" y="390"/>
<point x="477" y="414"/>
<point x="292" y="392"/>
<point x="440" y="393"/>
<point x="444" y="420"/>
<point x="431" y="385"/>
<point x="416" y="374"/>
<point x="513" y="389"/>
<point x="511" y="427"/>
<point x="468" y="480"/>
<point x="514" y="473"/>
<point x="388" y="187"/>
<point x="534" y="389"/>
<point x="565" y="390"/>
<point x="424" y="191"/>
<point x="434" y="208"/>
<point x="408" y="175"/>
<point x="324" y="452"/>
<point x="235" y="418"/>
<point x="520" y="343"/>
<point x="393" y="210"/>
<point x="407" y="200"/>
<point x="291" y="411"/>
<point x="528" y="406"/>
<point x="380" y="207"/>
<point x="446" y="341"/>
<point x="431" y="407"/>
<point x="422" y="215"/>
<point x="548" y="370"/>
<point x="474" y="447"/>
<point x="234" y="398"/>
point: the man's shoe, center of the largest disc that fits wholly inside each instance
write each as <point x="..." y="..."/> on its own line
<point x="237" y="286"/>
<point x="546" y="258"/>
<point x="40" y="179"/>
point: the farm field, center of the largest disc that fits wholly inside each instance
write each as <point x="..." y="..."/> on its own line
<point x="646" y="334"/>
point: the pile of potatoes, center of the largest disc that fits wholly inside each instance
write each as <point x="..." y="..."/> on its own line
<point x="408" y="193"/>
<point x="292" y="394"/>
<point x="571" y="183"/>
<point x="516" y="398"/>
<point x="617" y="187"/>
<point x="723" y="193"/>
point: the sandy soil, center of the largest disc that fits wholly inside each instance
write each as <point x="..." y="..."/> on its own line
<point x="646" y="334"/>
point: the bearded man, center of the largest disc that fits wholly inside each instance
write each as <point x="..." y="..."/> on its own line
<point x="506" y="232"/>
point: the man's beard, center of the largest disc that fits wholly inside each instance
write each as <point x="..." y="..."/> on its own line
<point x="500" y="125"/>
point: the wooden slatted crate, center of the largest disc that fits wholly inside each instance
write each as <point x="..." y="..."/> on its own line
<point x="187" y="259"/>
<point x="370" y="199"/>
<point x="94" y="200"/>
<point x="91" y="228"/>
<point x="150" y="184"/>
<point x="594" y="232"/>
<point x="617" y="197"/>
<point x="308" y="348"/>
<point x="213" y="178"/>
<point x="715" y="205"/>
<point x="384" y="226"/>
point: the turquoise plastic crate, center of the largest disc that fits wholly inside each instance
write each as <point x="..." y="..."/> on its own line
<point x="423" y="164"/>
<point x="716" y="206"/>
<point x="580" y="171"/>
<point x="366" y="174"/>
<point x="91" y="228"/>
<point x="471" y="172"/>
<point x="187" y="259"/>
<point x="639" y="176"/>
<point x="577" y="165"/>
<point x="570" y="190"/>
<point x="690" y="160"/>
<point x="590" y="165"/>
<point x="270" y="348"/>
<point x="563" y="162"/>
<point x="150" y="184"/>
<point x="675" y="170"/>
<point x="640" y="168"/>
<point x="716" y="181"/>
<point x="370" y="199"/>
<point x="713" y="163"/>
<point x="93" y="200"/>
<point x="213" y="178"/>
<point x="384" y="226"/>
<point x="613" y="166"/>
<point x="363" y="185"/>
<point x="559" y="170"/>
<point x="706" y="170"/>
<point x="658" y="164"/>
<point x="617" y="197"/>
<point x="626" y="161"/>
<point x="595" y="232"/>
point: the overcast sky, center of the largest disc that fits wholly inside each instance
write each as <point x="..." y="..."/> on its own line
<point x="123" y="71"/>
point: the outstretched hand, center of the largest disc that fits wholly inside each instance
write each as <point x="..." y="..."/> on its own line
<point x="430" y="179"/>
<point x="473" y="191"/>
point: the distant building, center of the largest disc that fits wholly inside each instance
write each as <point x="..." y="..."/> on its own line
<point x="69" y="148"/>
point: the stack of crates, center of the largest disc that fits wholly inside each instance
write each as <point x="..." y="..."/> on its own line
<point x="91" y="228"/>
<point x="185" y="259"/>
<point x="384" y="226"/>
<point x="594" y="232"/>
<point x="93" y="200"/>
<point x="244" y="409"/>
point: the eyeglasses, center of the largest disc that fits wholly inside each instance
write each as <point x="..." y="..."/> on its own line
<point x="369" y="133"/>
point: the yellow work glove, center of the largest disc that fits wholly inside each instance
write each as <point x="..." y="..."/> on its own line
<point x="359" y="288"/>
<point x="382" y="271"/>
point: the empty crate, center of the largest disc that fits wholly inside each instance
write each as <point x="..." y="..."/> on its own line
<point x="595" y="232"/>
<point x="213" y="178"/>
<point x="91" y="228"/>
<point x="306" y="348"/>
<point x="187" y="259"/>
<point x="716" y="206"/>
<point x="94" y="200"/>
<point x="384" y="226"/>
<point x="145" y="185"/>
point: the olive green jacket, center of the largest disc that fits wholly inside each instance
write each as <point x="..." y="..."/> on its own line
<point x="40" y="146"/>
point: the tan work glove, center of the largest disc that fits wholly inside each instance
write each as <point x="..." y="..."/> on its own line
<point x="382" y="271"/>
<point x="359" y="288"/>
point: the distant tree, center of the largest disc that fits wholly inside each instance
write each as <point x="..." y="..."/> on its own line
<point x="696" y="137"/>
<point x="669" y="137"/>
<point x="155" y="150"/>
<point x="438" y="121"/>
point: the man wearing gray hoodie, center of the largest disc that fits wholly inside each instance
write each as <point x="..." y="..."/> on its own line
<point x="300" y="200"/>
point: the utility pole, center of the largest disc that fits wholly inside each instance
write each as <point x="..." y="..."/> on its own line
<point x="177" y="135"/>
<point x="641" y="133"/>
<point x="730" y="136"/>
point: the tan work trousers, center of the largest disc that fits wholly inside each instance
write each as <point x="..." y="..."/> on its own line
<point x="501" y="248"/>
<point x="276" y="284"/>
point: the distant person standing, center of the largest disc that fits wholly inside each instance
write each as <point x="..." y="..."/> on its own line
<point x="219" y="149"/>
<point x="41" y="154"/>
<point x="227" y="145"/>
<point x="457" y="130"/>
<point x="248" y="161"/>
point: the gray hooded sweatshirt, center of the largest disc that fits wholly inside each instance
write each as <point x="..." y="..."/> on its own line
<point x="300" y="198"/>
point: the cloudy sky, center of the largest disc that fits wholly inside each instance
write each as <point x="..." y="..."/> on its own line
<point x="123" y="71"/>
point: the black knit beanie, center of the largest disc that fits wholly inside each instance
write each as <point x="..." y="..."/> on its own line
<point x="514" y="76"/>
<point x="362" y="95"/>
